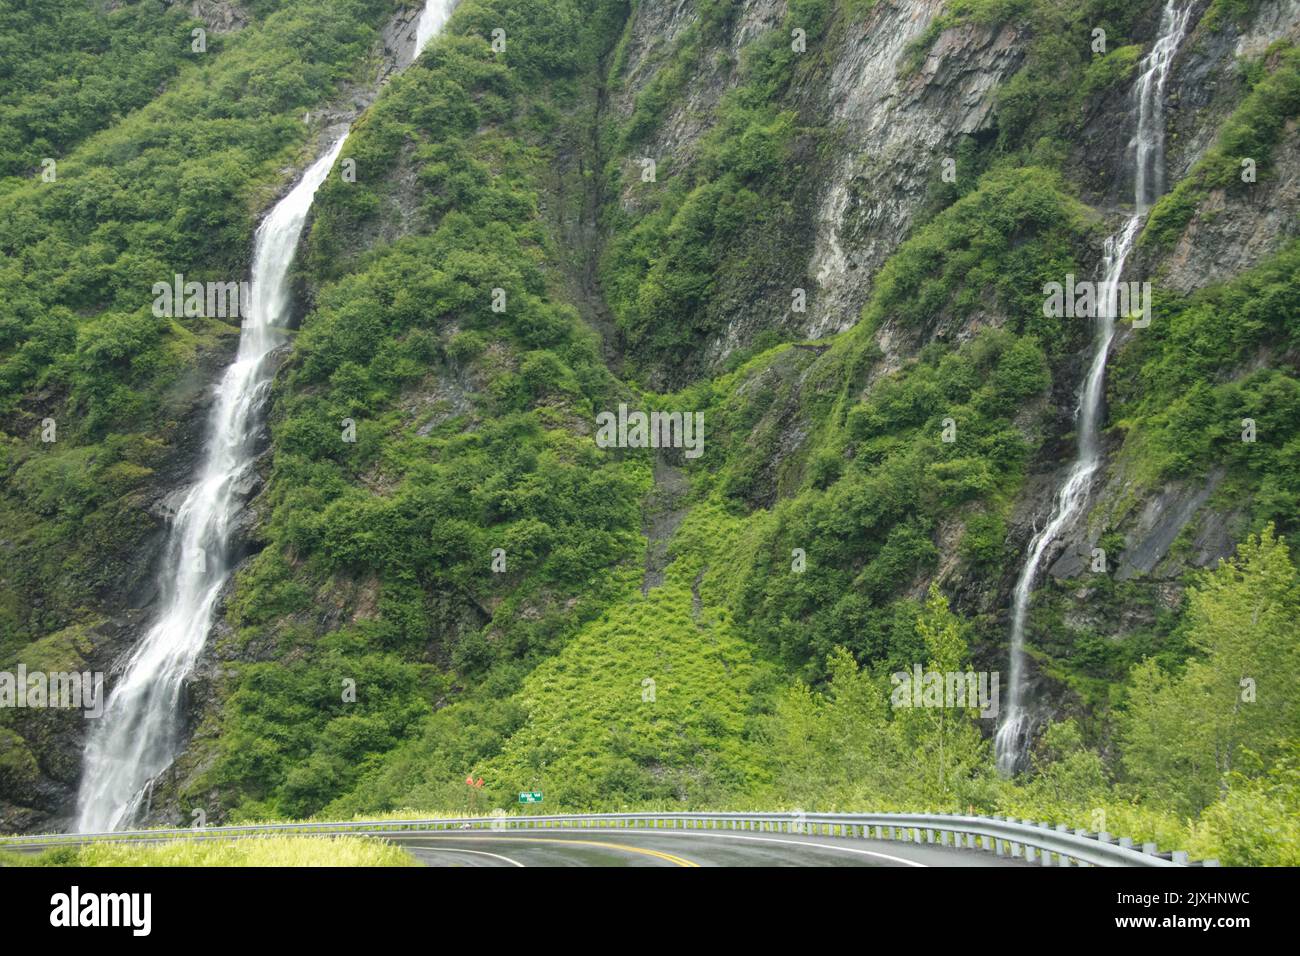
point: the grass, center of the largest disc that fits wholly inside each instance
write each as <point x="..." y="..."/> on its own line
<point x="261" y="851"/>
<point x="650" y="700"/>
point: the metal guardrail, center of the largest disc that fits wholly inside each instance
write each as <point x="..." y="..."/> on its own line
<point x="1032" y="842"/>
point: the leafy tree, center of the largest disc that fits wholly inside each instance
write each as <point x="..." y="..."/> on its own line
<point x="1184" y="735"/>
<point x="1258" y="822"/>
<point x="1067" y="773"/>
<point x="833" y="747"/>
<point x="941" y="745"/>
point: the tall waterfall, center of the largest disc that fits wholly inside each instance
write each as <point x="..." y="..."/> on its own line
<point x="1146" y="154"/>
<point x="139" y="734"/>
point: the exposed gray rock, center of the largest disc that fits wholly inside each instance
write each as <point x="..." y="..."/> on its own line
<point x="1231" y="231"/>
<point x="1159" y="523"/>
<point x="220" y="16"/>
<point x="895" y="129"/>
<point x="891" y="128"/>
<point x="656" y="30"/>
<point x="398" y="42"/>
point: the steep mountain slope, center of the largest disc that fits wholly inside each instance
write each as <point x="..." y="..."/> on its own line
<point x="104" y="403"/>
<point x="827" y="226"/>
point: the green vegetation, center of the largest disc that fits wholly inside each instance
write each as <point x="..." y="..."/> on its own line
<point x="869" y="535"/>
<point x="999" y="243"/>
<point x="687" y="245"/>
<point x="70" y="68"/>
<point x="1183" y="391"/>
<point x="1233" y="709"/>
<point x="173" y="187"/>
<point x="260" y="851"/>
<point x="413" y="510"/>
<point x="1246" y="139"/>
<point x="1207" y="749"/>
<point x="845" y="747"/>
<point x="650" y="702"/>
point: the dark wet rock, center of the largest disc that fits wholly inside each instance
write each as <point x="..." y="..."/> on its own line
<point x="1159" y="523"/>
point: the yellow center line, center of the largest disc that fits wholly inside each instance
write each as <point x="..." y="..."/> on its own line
<point x="644" y="851"/>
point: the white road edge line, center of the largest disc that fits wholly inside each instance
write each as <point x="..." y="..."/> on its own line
<point x="456" y="849"/>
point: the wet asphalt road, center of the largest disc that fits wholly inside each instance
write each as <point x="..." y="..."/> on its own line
<point x="618" y="847"/>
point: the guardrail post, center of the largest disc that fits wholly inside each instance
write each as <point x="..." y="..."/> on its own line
<point x="1180" y="856"/>
<point x="1061" y="857"/>
<point x="1080" y="832"/>
<point x="1013" y="845"/>
<point x="1044" y="855"/>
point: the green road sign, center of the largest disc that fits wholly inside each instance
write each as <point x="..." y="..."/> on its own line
<point x="530" y="796"/>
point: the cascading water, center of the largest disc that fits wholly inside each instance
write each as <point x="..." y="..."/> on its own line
<point x="1147" y="151"/>
<point x="138" y="735"/>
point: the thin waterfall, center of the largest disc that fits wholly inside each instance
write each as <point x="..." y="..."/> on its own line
<point x="1145" y="153"/>
<point x="140" y="732"/>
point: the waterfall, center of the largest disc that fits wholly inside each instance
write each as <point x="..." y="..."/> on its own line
<point x="433" y="18"/>
<point x="1146" y="154"/>
<point x="139" y="734"/>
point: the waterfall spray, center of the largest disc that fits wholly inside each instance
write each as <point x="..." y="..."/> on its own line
<point x="139" y="734"/>
<point x="1147" y="156"/>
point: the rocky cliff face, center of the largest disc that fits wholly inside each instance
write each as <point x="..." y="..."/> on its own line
<point x="1227" y="234"/>
<point x="898" y="95"/>
<point x="1230" y="231"/>
<point x="896" y="124"/>
<point x="221" y="16"/>
<point x="892" y="114"/>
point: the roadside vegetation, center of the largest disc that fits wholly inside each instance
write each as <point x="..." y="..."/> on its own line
<point x="254" y="851"/>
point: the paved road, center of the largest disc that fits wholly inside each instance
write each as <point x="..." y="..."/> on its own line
<point x="630" y="847"/>
<point x="605" y="847"/>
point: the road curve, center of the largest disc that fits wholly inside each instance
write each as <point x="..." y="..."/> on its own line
<point x="604" y="846"/>
<point x="684" y="848"/>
